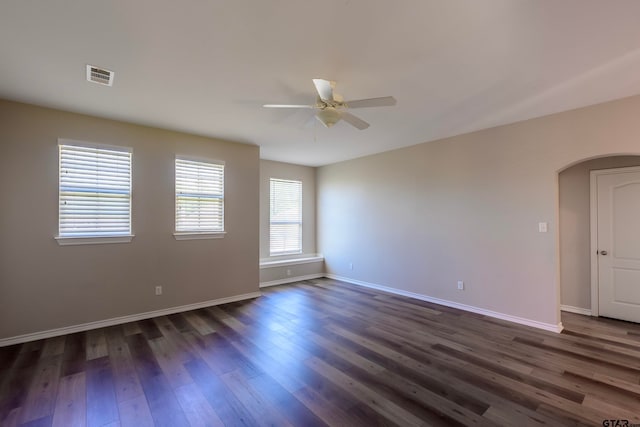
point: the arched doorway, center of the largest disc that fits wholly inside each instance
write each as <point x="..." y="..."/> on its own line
<point x="574" y="229"/>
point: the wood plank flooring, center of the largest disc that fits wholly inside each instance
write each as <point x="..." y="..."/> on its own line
<point x="321" y="352"/>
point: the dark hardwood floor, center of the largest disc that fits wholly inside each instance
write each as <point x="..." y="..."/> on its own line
<point x="320" y="353"/>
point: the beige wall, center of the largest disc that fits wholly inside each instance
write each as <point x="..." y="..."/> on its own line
<point x="575" y="228"/>
<point x="270" y="169"/>
<point x="45" y="286"/>
<point x="467" y="208"/>
<point x="296" y="272"/>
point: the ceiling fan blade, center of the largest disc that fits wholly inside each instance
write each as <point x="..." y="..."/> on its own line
<point x="385" y="101"/>
<point x="287" y="106"/>
<point x="324" y="89"/>
<point x="353" y="120"/>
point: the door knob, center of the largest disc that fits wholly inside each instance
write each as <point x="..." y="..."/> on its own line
<point x="603" y="252"/>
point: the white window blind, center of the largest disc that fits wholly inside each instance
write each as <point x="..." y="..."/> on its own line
<point x="285" y="232"/>
<point x="199" y="196"/>
<point x="94" y="191"/>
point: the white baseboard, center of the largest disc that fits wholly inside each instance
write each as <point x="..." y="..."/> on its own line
<point x="577" y="310"/>
<point x="291" y="280"/>
<point x="123" y="319"/>
<point x="521" y="320"/>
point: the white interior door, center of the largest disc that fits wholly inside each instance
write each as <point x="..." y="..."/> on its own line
<point x="618" y="243"/>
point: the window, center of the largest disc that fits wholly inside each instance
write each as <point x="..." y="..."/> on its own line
<point x="94" y="193"/>
<point x="285" y="225"/>
<point x="199" y="199"/>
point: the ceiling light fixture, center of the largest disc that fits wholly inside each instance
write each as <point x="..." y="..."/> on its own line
<point x="329" y="116"/>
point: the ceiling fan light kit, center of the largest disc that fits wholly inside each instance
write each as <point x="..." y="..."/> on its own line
<point x="332" y="108"/>
<point x="328" y="116"/>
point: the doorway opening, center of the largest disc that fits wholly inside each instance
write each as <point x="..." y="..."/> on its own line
<point x="575" y="252"/>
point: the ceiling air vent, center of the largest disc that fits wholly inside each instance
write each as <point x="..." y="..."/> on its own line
<point x="99" y="75"/>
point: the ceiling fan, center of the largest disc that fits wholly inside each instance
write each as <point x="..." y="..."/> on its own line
<point x="332" y="108"/>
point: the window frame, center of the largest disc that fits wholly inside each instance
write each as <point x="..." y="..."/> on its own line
<point x="196" y="234"/>
<point x="94" y="238"/>
<point x="300" y="222"/>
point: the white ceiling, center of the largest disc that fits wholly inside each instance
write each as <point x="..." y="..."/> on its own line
<point x="206" y="67"/>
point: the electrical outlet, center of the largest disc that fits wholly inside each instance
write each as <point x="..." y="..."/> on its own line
<point x="158" y="290"/>
<point x="350" y="266"/>
<point x="288" y="272"/>
<point x="460" y="285"/>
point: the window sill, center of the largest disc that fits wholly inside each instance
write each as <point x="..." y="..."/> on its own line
<point x="200" y="236"/>
<point x="267" y="263"/>
<point x="93" y="240"/>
